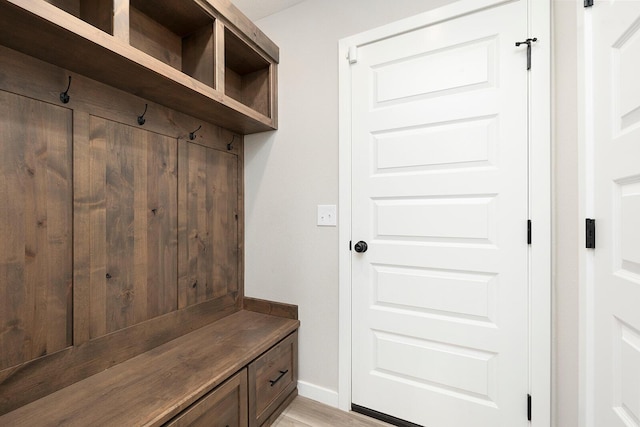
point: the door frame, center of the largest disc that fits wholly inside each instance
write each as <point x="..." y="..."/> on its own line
<point x="539" y="192"/>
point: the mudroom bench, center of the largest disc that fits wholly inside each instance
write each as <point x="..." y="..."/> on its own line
<point x="238" y="371"/>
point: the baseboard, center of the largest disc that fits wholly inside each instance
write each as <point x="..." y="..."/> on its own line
<point x="317" y="393"/>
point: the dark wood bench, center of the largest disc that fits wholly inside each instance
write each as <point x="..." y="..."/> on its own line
<point x="240" y="370"/>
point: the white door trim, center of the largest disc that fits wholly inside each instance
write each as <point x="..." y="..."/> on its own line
<point x="540" y="192"/>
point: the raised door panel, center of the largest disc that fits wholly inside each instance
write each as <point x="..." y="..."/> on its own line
<point x="133" y="225"/>
<point x="35" y="229"/>
<point x="209" y="224"/>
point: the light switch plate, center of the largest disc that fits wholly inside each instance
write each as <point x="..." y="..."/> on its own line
<point x="327" y="215"/>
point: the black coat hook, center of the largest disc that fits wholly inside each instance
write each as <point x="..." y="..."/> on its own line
<point x="141" y="118"/>
<point x="230" y="145"/>
<point x="192" y="135"/>
<point x="64" y="96"/>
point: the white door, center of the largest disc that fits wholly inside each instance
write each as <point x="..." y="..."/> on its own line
<point x="440" y="297"/>
<point x="616" y="42"/>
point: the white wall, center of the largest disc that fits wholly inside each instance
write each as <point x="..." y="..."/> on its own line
<point x="290" y="171"/>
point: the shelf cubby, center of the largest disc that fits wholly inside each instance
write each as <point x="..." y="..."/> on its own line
<point x="183" y="39"/>
<point x="247" y="74"/>
<point x="98" y="13"/>
<point x="203" y="57"/>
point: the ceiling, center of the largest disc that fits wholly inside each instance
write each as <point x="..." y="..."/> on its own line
<point x="257" y="9"/>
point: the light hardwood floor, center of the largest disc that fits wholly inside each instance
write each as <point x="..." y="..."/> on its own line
<point x="305" y="412"/>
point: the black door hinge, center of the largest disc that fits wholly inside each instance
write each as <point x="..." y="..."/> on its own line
<point x="528" y="231"/>
<point x="528" y="43"/>
<point x="588" y="3"/>
<point x="529" y="407"/>
<point x="590" y="233"/>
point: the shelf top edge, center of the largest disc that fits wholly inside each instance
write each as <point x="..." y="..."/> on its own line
<point x="233" y="16"/>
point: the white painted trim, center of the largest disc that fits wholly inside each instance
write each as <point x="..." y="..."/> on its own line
<point x="586" y="182"/>
<point x="540" y="193"/>
<point x="344" y="230"/>
<point x="317" y="393"/>
<point x="540" y="211"/>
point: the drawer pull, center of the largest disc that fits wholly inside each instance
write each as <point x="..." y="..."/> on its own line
<point x="282" y="374"/>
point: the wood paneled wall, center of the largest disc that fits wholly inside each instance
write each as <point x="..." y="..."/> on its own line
<point x="114" y="237"/>
<point x="35" y="229"/>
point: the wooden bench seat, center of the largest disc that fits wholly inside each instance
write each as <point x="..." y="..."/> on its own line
<point x="152" y="388"/>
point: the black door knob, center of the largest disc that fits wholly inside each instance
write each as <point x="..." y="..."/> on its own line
<point x="361" y="247"/>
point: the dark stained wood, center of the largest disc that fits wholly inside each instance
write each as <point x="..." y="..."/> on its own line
<point x="35" y="229"/>
<point x="219" y="56"/>
<point x="284" y="406"/>
<point x="198" y="54"/>
<point x="179" y="16"/>
<point x="273" y="308"/>
<point x="224" y="406"/>
<point x="137" y="391"/>
<point x="235" y="19"/>
<point x="43" y="31"/>
<point x="256" y="91"/>
<point x="69" y="6"/>
<point x="98" y="13"/>
<point x="23" y="74"/>
<point x="272" y="378"/>
<point x="33" y="380"/>
<point x="81" y="228"/>
<point x="154" y="39"/>
<point x="134" y="232"/>
<point x="208" y="180"/>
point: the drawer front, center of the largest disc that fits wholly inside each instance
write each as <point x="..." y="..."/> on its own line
<point x="272" y="377"/>
<point x="225" y="406"/>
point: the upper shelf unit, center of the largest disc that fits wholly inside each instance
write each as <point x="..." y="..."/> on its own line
<point x="201" y="57"/>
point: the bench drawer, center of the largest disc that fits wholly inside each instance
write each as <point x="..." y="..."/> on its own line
<point x="272" y="378"/>
<point x="225" y="406"/>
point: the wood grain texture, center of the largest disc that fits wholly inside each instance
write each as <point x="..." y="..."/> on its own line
<point x="81" y="228"/>
<point x="208" y="181"/>
<point x="272" y="378"/>
<point x="35" y="229"/>
<point x="137" y="392"/>
<point x="219" y="56"/>
<point x="198" y="54"/>
<point x="225" y="406"/>
<point x="134" y="225"/>
<point x="38" y="378"/>
<point x="236" y="20"/>
<point x="98" y="13"/>
<point x="154" y="39"/>
<point x="273" y="308"/>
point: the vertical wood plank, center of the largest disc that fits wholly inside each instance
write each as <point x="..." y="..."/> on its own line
<point x="198" y="55"/>
<point x="143" y="192"/>
<point x="202" y="237"/>
<point x="121" y="20"/>
<point x="183" y="231"/>
<point x="224" y="182"/>
<point x="218" y="52"/>
<point x="59" y="226"/>
<point x="81" y="228"/>
<point x="16" y="311"/>
<point x="162" y="229"/>
<point x="98" y="227"/>
<point x="35" y="229"/>
<point x="240" y="223"/>
<point x="140" y="243"/>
